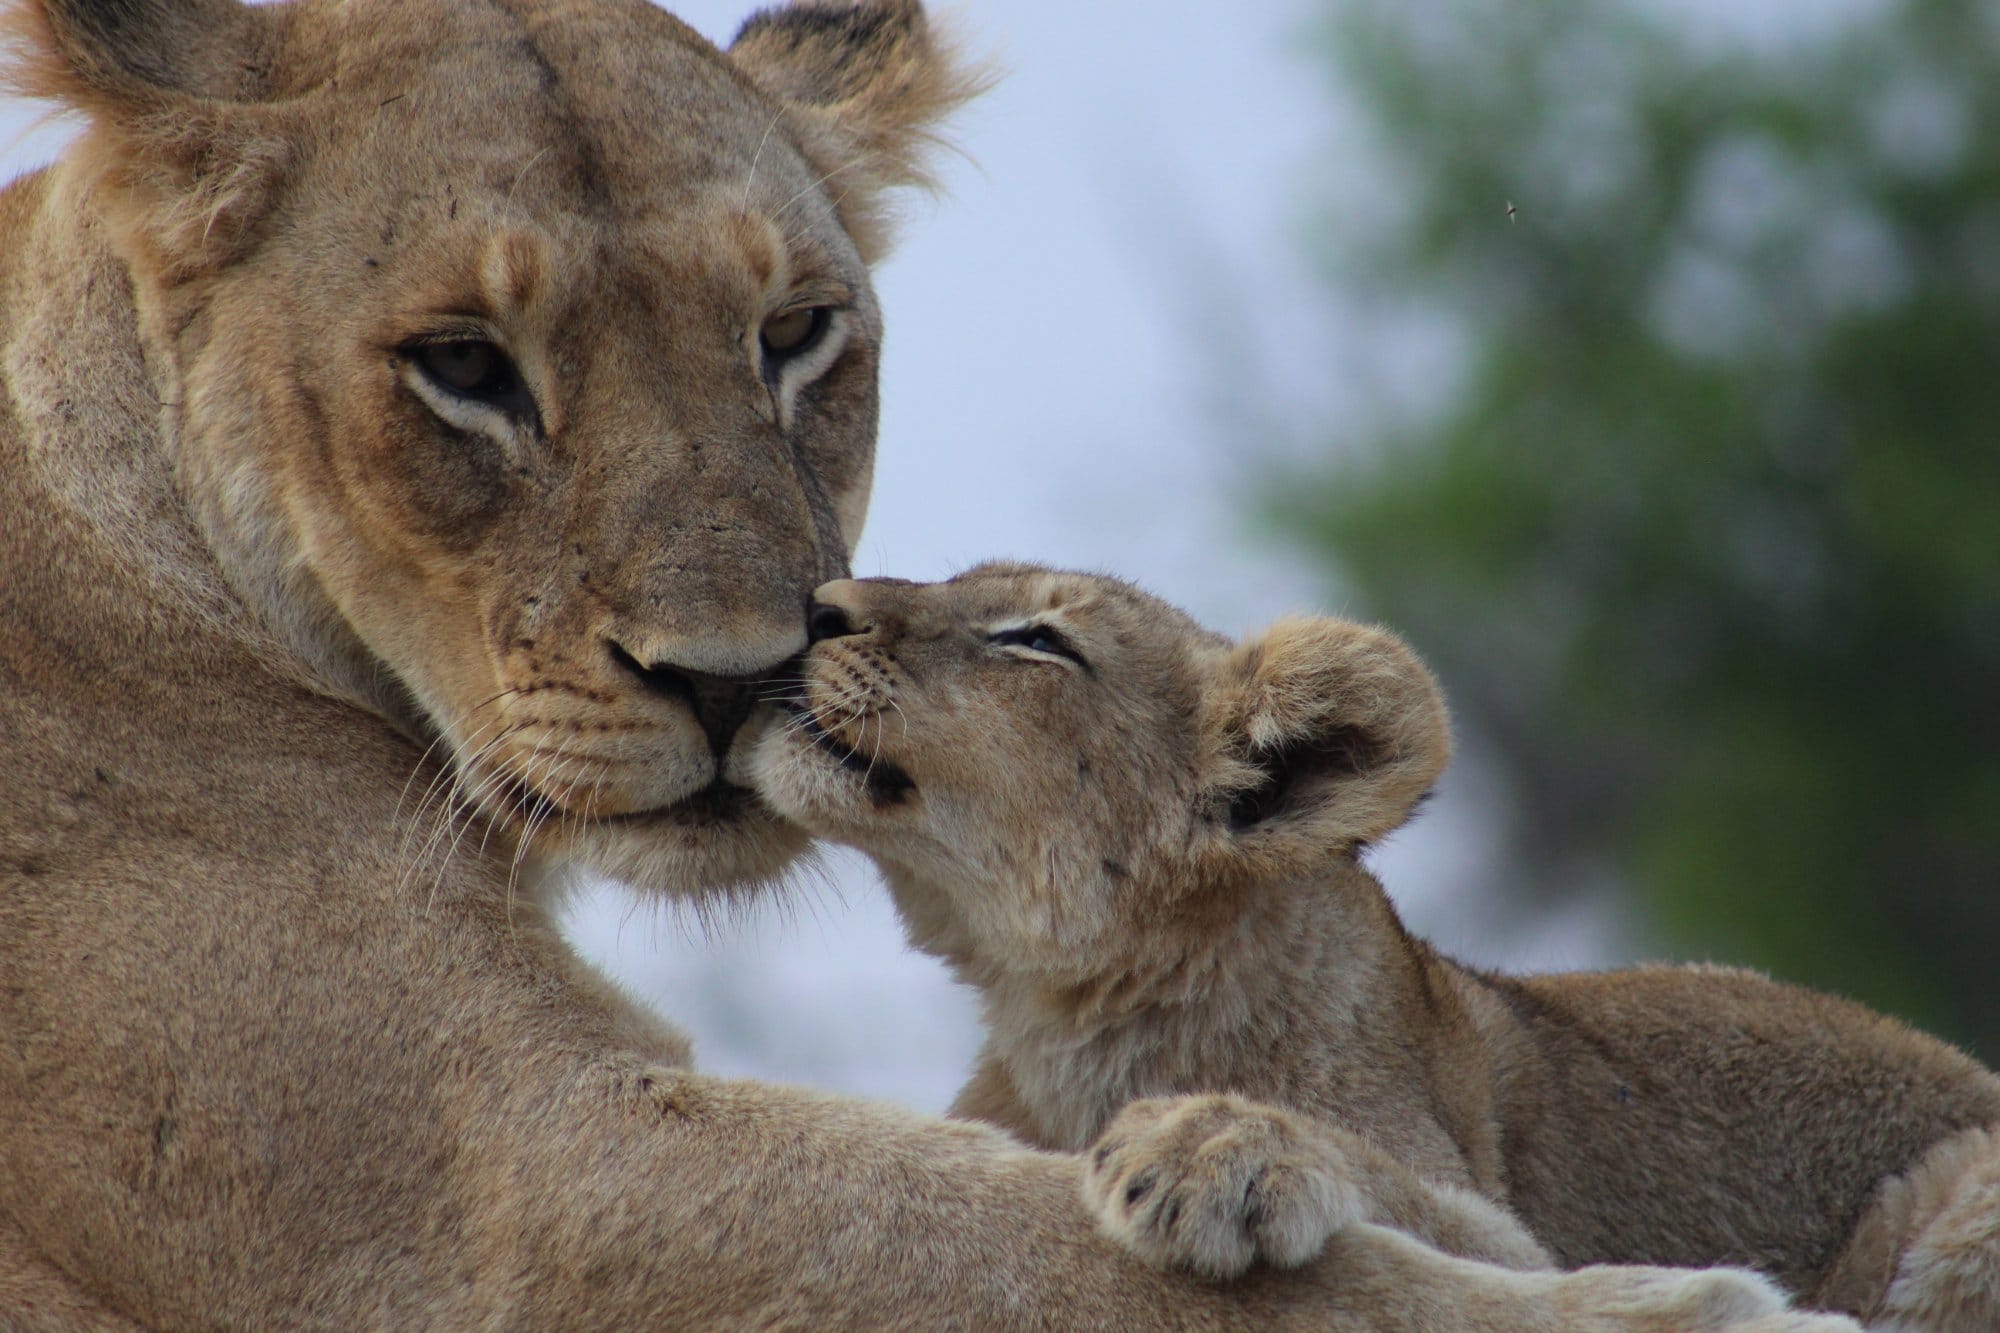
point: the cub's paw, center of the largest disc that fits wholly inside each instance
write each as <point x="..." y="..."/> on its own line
<point x="1214" y="1183"/>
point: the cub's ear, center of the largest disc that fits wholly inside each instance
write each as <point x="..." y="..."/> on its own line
<point x="169" y="86"/>
<point x="1336" y="730"/>
<point x="866" y="85"/>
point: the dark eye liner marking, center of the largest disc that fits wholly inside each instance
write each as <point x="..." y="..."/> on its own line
<point x="819" y="320"/>
<point x="476" y="370"/>
<point x="1039" y="639"/>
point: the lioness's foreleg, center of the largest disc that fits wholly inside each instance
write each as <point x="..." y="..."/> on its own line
<point x="804" y="1210"/>
<point x="653" y="1196"/>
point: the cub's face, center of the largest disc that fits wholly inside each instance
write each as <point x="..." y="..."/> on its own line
<point x="1047" y="765"/>
<point x="527" y="363"/>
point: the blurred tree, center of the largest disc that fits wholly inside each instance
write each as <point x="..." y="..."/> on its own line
<point x="1704" y="534"/>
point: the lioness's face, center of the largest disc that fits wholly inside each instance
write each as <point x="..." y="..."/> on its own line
<point x="1027" y="742"/>
<point x="549" y="363"/>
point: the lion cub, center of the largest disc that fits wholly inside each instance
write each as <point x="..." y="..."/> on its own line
<point x="1141" y="843"/>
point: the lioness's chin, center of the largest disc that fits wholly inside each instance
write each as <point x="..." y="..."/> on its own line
<point x="693" y="848"/>
<point x="657" y="813"/>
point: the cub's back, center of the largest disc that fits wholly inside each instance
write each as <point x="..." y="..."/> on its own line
<point x="1696" y="1113"/>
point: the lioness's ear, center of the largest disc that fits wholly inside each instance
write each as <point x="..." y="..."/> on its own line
<point x="120" y="56"/>
<point x="168" y="86"/>
<point x="1337" y="729"/>
<point x="866" y="85"/>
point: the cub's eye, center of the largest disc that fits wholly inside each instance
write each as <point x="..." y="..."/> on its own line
<point x="795" y="332"/>
<point x="1037" y="639"/>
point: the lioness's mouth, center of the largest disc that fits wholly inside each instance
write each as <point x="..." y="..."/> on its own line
<point x="719" y="800"/>
<point x="886" y="782"/>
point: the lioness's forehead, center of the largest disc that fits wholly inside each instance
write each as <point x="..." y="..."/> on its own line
<point x="621" y="104"/>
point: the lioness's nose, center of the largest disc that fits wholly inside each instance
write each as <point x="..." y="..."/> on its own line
<point x="719" y="703"/>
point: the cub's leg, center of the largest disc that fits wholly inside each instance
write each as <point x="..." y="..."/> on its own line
<point x="1926" y="1253"/>
<point x="1214" y="1183"/>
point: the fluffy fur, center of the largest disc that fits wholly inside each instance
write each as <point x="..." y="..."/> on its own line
<point x="305" y="651"/>
<point x="1141" y="843"/>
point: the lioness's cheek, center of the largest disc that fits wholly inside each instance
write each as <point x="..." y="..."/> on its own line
<point x="448" y="484"/>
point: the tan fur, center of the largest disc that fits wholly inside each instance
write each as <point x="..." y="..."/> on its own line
<point x="311" y="669"/>
<point x="1149" y="866"/>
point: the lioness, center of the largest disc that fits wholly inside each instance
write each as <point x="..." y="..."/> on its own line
<point x="1141" y="844"/>
<point x="415" y="420"/>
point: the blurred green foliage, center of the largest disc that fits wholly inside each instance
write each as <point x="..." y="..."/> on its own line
<point x="1705" y="536"/>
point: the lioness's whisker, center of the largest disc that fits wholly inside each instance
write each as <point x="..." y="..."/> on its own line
<point x="453" y="798"/>
<point x="750" y="178"/>
<point x="496" y="779"/>
<point x="455" y="803"/>
<point x="549" y="805"/>
<point x="440" y="738"/>
<point x="534" y="817"/>
<point x="449" y="774"/>
<point x="446" y="775"/>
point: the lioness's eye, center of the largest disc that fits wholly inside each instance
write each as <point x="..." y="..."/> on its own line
<point x="795" y="331"/>
<point x="1038" y="639"/>
<point x="475" y="369"/>
<point x="472" y="372"/>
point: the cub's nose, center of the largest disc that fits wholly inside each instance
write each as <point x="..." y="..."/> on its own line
<point x="838" y="609"/>
<point x="827" y="621"/>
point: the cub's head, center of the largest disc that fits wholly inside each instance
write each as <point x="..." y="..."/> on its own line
<point x="516" y="357"/>
<point x="1041" y="760"/>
